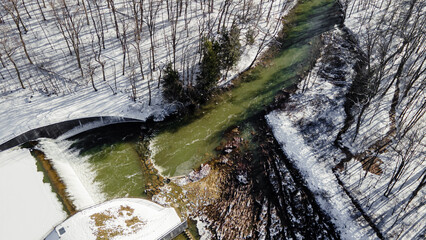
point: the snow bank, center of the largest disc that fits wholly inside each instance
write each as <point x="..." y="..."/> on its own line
<point x="308" y="125"/>
<point x="202" y="228"/>
<point x="317" y="115"/>
<point x="28" y="207"/>
<point x="320" y="178"/>
<point x="132" y="218"/>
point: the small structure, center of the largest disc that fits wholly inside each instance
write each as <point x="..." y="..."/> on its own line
<point x="124" y="218"/>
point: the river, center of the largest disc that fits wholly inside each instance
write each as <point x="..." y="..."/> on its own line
<point x="179" y="145"/>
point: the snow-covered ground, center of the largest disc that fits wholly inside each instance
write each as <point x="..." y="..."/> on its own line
<point x="123" y="218"/>
<point x="380" y="27"/>
<point x="312" y="119"/>
<point x="56" y="91"/>
<point x="396" y="29"/>
<point x="307" y="126"/>
<point x="319" y="176"/>
<point x="28" y="207"/>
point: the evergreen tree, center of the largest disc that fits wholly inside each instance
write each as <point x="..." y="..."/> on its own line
<point x="209" y="67"/>
<point x="250" y="36"/>
<point x="172" y="86"/>
<point x="230" y="47"/>
<point x="216" y="56"/>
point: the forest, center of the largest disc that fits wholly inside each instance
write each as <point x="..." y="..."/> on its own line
<point x="57" y="47"/>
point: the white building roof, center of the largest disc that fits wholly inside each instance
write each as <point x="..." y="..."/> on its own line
<point x="124" y="218"/>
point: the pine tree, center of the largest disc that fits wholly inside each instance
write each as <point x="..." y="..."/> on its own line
<point x="230" y="48"/>
<point x="173" y="88"/>
<point x="209" y="67"/>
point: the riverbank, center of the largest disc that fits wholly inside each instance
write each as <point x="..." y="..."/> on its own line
<point x="307" y="125"/>
<point x="248" y="191"/>
<point x="178" y="146"/>
<point x="254" y="187"/>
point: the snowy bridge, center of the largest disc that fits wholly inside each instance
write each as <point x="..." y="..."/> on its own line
<point x="65" y="129"/>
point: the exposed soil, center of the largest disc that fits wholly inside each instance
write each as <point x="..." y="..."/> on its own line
<point x="104" y="232"/>
<point x="56" y="183"/>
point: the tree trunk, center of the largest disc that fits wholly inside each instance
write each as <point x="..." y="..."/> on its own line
<point x="16" y="69"/>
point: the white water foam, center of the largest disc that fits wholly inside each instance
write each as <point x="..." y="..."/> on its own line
<point x="152" y="147"/>
<point x="75" y="171"/>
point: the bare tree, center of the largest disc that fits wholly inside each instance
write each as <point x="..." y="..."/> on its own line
<point x="133" y="82"/>
<point x="8" y="48"/>
<point x="150" y="21"/>
<point x="11" y="7"/>
<point x="85" y="12"/>
<point x="91" y="71"/>
<point x="41" y="10"/>
<point x="123" y="41"/>
<point x="114" y="13"/>
<point x="137" y="17"/>
<point x="98" y="22"/>
<point x="59" y="23"/>
<point x="97" y="56"/>
<point x="26" y="10"/>
<point x="72" y="23"/>
<point x="174" y="17"/>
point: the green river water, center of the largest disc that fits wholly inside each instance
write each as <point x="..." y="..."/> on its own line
<point x="179" y="146"/>
<point x="185" y="145"/>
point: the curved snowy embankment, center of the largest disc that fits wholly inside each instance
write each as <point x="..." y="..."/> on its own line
<point x="43" y="111"/>
<point x="310" y="122"/>
<point x="320" y="178"/>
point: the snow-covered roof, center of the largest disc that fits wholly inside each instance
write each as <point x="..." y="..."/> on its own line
<point x="124" y="218"/>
